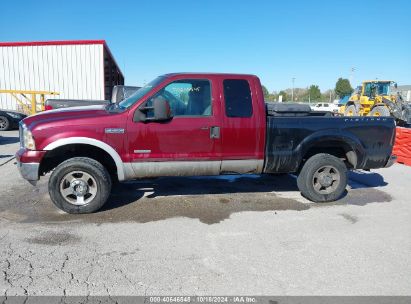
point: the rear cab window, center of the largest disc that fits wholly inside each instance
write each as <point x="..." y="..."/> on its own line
<point x="237" y="96"/>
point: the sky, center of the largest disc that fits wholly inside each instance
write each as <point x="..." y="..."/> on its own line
<point x="315" y="42"/>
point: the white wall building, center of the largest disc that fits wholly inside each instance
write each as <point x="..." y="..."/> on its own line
<point x="80" y="69"/>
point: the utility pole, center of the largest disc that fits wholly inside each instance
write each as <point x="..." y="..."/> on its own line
<point x="292" y="90"/>
<point x="352" y="75"/>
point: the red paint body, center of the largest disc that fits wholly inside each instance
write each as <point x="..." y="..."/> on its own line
<point x="188" y="138"/>
<point x="181" y="138"/>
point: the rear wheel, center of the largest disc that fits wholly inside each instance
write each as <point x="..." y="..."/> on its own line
<point x="351" y="110"/>
<point x="4" y="123"/>
<point x="323" y="178"/>
<point x="80" y="185"/>
<point x="379" y="111"/>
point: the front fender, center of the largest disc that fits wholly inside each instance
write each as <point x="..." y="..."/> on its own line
<point x="93" y="142"/>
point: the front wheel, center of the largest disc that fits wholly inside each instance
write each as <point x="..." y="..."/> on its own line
<point x="351" y="110"/>
<point x="323" y="178"/>
<point x="80" y="185"/>
<point x="379" y="111"/>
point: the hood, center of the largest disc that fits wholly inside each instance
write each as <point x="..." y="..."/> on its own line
<point x="68" y="116"/>
<point x="14" y="112"/>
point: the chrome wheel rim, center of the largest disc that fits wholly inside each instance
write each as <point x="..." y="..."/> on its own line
<point x="3" y="123"/>
<point x="326" y="180"/>
<point x="78" y="188"/>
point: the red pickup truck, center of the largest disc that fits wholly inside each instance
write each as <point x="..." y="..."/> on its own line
<point x="187" y="124"/>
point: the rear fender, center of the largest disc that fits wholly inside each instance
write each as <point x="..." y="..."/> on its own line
<point x="347" y="141"/>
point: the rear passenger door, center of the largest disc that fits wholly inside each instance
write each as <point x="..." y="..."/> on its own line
<point x="242" y="130"/>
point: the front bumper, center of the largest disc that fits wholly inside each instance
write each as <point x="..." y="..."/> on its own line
<point x="392" y="160"/>
<point x="28" y="163"/>
<point x="29" y="171"/>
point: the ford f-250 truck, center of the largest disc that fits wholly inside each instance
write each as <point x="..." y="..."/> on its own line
<point x="187" y="124"/>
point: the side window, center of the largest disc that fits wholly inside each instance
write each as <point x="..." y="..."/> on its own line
<point x="237" y="95"/>
<point x="188" y="97"/>
<point x="367" y="91"/>
<point x="326" y="105"/>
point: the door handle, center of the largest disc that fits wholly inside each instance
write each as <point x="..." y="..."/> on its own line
<point x="204" y="128"/>
<point x="214" y="132"/>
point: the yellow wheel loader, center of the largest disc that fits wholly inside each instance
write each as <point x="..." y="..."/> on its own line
<point x="374" y="98"/>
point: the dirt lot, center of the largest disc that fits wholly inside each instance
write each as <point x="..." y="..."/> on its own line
<point x="227" y="235"/>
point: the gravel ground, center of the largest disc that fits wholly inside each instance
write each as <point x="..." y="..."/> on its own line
<point x="207" y="236"/>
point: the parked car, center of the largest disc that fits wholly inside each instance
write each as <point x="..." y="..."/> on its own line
<point x="10" y="119"/>
<point x="187" y="124"/>
<point x="324" y="106"/>
<point x="119" y="93"/>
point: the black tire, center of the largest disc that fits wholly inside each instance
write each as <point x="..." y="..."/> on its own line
<point x="351" y="110"/>
<point x="4" y="123"/>
<point x="380" y="111"/>
<point x="313" y="175"/>
<point x="78" y="169"/>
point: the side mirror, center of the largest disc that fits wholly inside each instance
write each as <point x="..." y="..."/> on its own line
<point x="159" y="111"/>
<point x="162" y="110"/>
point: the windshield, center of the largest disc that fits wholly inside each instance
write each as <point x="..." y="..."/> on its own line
<point x="383" y="88"/>
<point x="129" y="101"/>
<point x="377" y="88"/>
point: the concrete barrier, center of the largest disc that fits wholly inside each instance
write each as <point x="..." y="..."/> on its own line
<point x="402" y="146"/>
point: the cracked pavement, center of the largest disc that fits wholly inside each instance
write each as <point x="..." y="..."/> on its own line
<point x="207" y="236"/>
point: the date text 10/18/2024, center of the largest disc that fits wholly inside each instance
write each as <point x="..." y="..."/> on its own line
<point x="203" y="299"/>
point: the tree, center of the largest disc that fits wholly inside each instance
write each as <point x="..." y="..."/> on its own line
<point x="343" y="87"/>
<point x="265" y="91"/>
<point x="273" y="96"/>
<point x="314" y="92"/>
<point x="327" y="94"/>
<point x="284" y="94"/>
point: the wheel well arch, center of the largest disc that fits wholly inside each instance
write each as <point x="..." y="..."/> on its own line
<point x="57" y="154"/>
<point x="336" y="148"/>
<point x="352" y="103"/>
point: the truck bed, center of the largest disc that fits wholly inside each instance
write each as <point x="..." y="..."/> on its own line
<point x="294" y="134"/>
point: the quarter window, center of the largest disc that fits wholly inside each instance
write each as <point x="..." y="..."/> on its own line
<point x="237" y="95"/>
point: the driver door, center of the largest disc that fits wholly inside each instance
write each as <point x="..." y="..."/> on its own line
<point x="189" y="143"/>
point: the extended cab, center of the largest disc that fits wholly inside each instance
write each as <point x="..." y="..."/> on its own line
<point x="187" y="124"/>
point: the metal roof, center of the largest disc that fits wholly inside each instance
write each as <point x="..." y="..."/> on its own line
<point x="62" y="42"/>
<point x="55" y="42"/>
